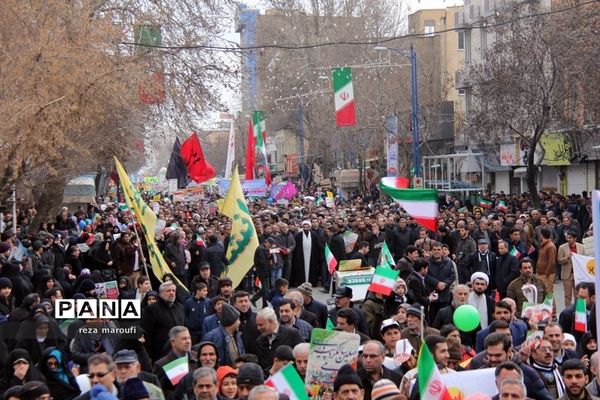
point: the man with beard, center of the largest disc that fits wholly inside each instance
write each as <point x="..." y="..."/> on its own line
<point x="288" y="318"/>
<point x="405" y="264"/>
<point x="575" y="378"/>
<point x="439" y="278"/>
<point x="507" y="269"/>
<point x="241" y="301"/>
<point x="301" y="358"/>
<point x="306" y="257"/>
<point x="460" y="295"/>
<point x="478" y="298"/>
<point x="518" y="328"/>
<point x="515" y="288"/>
<point x="465" y="246"/>
<point x="400" y="238"/>
<point x="205" y="384"/>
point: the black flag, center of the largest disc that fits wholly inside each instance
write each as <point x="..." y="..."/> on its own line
<point x="177" y="169"/>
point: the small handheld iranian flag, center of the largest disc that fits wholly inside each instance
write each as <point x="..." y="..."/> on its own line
<point x="386" y="260"/>
<point x="383" y="281"/>
<point x="485" y="203"/>
<point x="345" y="109"/>
<point x="330" y="260"/>
<point x="177" y="369"/>
<point x="421" y="204"/>
<point x="580" y="316"/>
<point x="515" y="252"/>
<point x="288" y="381"/>
<point x="431" y="385"/>
<point x="501" y="206"/>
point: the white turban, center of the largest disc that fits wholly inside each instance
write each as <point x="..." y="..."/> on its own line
<point x="480" y="275"/>
<point x="306" y="222"/>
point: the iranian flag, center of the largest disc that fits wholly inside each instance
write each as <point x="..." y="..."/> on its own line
<point x="259" y="128"/>
<point x="177" y="369"/>
<point x="386" y="260"/>
<point x="288" y="381"/>
<point x="501" y="206"/>
<point x="421" y="204"/>
<point x="330" y="260"/>
<point x="580" y="316"/>
<point x="515" y="252"/>
<point x="431" y="385"/>
<point x="485" y="203"/>
<point x="345" y="109"/>
<point x="383" y="281"/>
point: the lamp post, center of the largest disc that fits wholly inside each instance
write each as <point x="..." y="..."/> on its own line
<point x="412" y="55"/>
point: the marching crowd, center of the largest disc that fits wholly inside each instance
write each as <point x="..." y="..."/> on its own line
<point x="235" y="338"/>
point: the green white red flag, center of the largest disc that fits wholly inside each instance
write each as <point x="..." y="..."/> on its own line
<point x="431" y="385"/>
<point x="259" y="128"/>
<point x="421" y="204"/>
<point x="330" y="260"/>
<point x="515" y="252"/>
<point x="386" y="260"/>
<point x="580" y="316"/>
<point x="288" y="381"/>
<point x="177" y="369"/>
<point x="345" y="108"/>
<point x="250" y="151"/>
<point x="383" y="281"/>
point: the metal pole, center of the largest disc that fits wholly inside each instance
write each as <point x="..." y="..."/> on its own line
<point x="14" y="209"/>
<point x="415" y="112"/>
<point x="300" y="143"/>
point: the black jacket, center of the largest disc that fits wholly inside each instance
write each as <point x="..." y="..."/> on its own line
<point x="361" y="324"/>
<point x="399" y="239"/>
<point x="214" y="254"/>
<point x="249" y="330"/>
<point x="507" y="270"/>
<point x="157" y="320"/>
<point x="59" y="389"/>
<point x="266" y="351"/>
<point x="318" y="308"/>
<point x="418" y="289"/>
<point x="385" y="374"/>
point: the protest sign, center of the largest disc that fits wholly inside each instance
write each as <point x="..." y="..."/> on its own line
<point x="350" y="239"/>
<point x="107" y="290"/>
<point x="329" y="350"/>
<point x="584" y="268"/>
<point x="538" y="312"/>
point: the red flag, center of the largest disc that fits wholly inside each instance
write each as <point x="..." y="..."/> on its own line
<point x="199" y="169"/>
<point x="250" y="152"/>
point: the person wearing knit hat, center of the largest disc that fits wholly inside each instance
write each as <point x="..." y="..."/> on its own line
<point x="398" y="296"/>
<point x="134" y="389"/>
<point x="347" y="384"/>
<point x="33" y="390"/>
<point x="314" y="306"/>
<point x="226" y="382"/>
<point x="249" y="376"/>
<point x="226" y="337"/>
<point x="385" y="389"/>
<point x="4" y="249"/>
<point x="478" y="298"/>
<point x="7" y="300"/>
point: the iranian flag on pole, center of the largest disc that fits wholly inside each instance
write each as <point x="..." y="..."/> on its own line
<point x="330" y="260"/>
<point x="431" y="385"/>
<point x="288" y="381"/>
<point x="383" y="281"/>
<point x="260" y="133"/>
<point x="421" y="204"/>
<point x="580" y="316"/>
<point x="177" y="369"/>
<point x="345" y="109"/>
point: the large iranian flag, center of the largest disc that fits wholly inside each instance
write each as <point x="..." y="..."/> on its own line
<point x="345" y="109"/>
<point x="431" y="385"/>
<point x="383" y="281"/>
<point x="259" y="128"/>
<point x="421" y="204"/>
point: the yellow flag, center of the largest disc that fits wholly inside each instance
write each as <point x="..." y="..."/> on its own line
<point x="243" y="240"/>
<point x="147" y="220"/>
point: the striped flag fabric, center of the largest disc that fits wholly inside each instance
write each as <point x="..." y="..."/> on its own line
<point x="330" y="260"/>
<point x="383" y="281"/>
<point x="345" y="108"/>
<point x="259" y="128"/>
<point x="421" y="204"/>
<point x="386" y="260"/>
<point x="177" y="369"/>
<point x="250" y="152"/>
<point x="501" y="206"/>
<point x="431" y="385"/>
<point x="287" y="381"/>
<point x="485" y="203"/>
<point x="515" y="252"/>
<point x="580" y="316"/>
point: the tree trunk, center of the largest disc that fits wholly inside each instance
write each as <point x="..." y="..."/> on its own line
<point x="531" y="172"/>
<point x="48" y="203"/>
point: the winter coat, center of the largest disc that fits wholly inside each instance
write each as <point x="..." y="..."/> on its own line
<point x="221" y="338"/>
<point x="214" y="254"/>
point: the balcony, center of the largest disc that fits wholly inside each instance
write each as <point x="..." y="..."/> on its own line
<point x="461" y="22"/>
<point x="461" y="81"/>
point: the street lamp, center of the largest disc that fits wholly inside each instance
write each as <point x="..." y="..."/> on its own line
<point x="415" y="102"/>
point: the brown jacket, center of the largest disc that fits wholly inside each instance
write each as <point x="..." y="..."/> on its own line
<point x="546" y="262"/>
<point x="514" y="292"/>
<point x="566" y="262"/>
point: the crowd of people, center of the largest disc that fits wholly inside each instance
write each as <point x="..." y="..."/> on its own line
<point x="235" y="338"/>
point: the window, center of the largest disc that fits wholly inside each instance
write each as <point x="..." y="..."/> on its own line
<point x="429" y="27"/>
<point x="461" y="92"/>
<point x="461" y="40"/>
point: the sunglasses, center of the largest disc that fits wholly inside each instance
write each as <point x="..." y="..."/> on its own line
<point x="100" y="375"/>
<point x="52" y="363"/>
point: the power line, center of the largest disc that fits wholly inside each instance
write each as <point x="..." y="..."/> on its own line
<point x="356" y="43"/>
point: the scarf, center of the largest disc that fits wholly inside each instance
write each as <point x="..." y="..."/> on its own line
<point x="59" y="373"/>
<point x="553" y="369"/>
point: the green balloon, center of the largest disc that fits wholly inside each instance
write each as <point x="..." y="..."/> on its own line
<point x="466" y="318"/>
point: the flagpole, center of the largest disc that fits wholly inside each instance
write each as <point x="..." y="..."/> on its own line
<point x="596" y="230"/>
<point x="140" y="247"/>
<point x="422" y="323"/>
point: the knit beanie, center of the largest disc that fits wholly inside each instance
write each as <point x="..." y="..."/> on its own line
<point x="4" y="247"/>
<point x="346" y="376"/>
<point x="384" y="389"/>
<point x="134" y="389"/>
<point x="32" y="390"/>
<point x="229" y="315"/>
<point x="250" y="374"/>
<point x="5" y="282"/>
